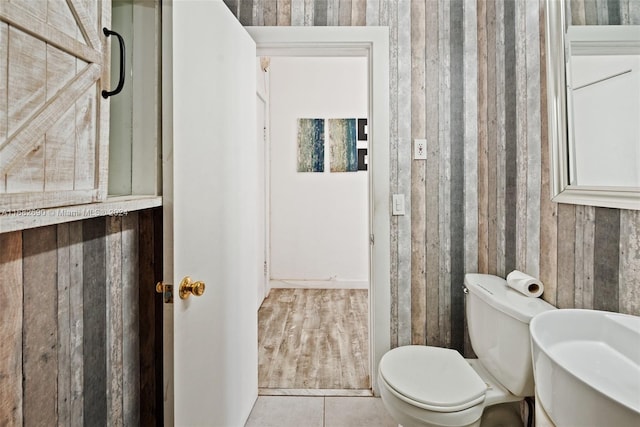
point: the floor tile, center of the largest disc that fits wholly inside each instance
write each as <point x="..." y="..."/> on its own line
<point x="356" y="412"/>
<point x="287" y="411"/>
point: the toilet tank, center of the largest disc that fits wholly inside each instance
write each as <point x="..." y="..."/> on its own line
<point x="498" y="320"/>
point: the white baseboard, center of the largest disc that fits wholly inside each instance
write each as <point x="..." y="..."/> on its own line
<point x="318" y="284"/>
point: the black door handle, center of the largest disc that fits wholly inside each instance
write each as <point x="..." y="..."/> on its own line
<point x="118" y="89"/>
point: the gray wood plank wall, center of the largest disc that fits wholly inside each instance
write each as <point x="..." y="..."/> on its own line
<point x="468" y="75"/>
<point x="73" y="298"/>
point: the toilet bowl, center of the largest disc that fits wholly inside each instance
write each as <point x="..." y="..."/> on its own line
<point x="423" y="386"/>
<point x="460" y="390"/>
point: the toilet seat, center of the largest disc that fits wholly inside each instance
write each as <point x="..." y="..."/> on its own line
<point x="432" y="378"/>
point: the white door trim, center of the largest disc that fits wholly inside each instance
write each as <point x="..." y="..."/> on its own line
<point x="373" y="43"/>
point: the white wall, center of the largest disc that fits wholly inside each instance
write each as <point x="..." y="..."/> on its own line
<point x="319" y="221"/>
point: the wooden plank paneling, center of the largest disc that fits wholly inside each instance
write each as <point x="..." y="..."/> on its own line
<point x="64" y="323"/>
<point x="69" y="307"/>
<point x="444" y="214"/>
<point x="500" y="139"/>
<point x="4" y="107"/>
<point x="457" y="205"/>
<point x="320" y="12"/>
<point x="521" y="136"/>
<point x="158" y="269"/>
<point x="566" y="255"/>
<point x="258" y="13"/>
<point x="344" y="13"/>
<point x="548" y="210"/>
<point x="130" y="321"/>
<point x="607" y="259"/>
<point x="577" y="16"/>
<point x="76" y="324"/>
<point x="400" y="289"/>
<point x="401" y="16"/>
<point x="270" y="13"/>
<point x="40" y="355"/>
<point x="11" y="325"/>
<point x="470" y="133"/>
<point x="333" y="12"/>
<point x="245" y="14"/>
<point x="147" y="297"/>
<point x="297" y="13"/>
<point x="492" y="141"/>
<point x="432" y="196"/>
<point x="511" y="140"/>
<point x="284" y="12"/>
<point x="631" y="12"/>
<point x="373" y="12"/>
<point x="418" y="172"/>
<point x="113" y="285"/>
<point x="588" y="236"/>
<point x="358" y="13"/>
<point x="584" y="257"/>
<point x="533" y="156"/>
<point x="471" y="150"/>
<point x="55" y="331"/>
<point x="94" y="322"/>
<point x="629" y="271"/>
<point x="483" y="160"/>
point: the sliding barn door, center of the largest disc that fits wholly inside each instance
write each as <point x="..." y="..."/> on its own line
<point x="54" y="123"/>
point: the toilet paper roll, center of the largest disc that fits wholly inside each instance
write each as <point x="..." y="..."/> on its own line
<point x="525" y="284"/>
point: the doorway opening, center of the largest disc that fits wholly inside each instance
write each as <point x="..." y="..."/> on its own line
<point x="371" y="44"/>
<point x="313" y="327"/>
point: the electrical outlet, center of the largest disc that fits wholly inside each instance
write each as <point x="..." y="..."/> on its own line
<point x="420" y="149"/>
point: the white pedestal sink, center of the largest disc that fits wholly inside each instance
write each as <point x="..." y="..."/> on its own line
<point x="586" y="366"/>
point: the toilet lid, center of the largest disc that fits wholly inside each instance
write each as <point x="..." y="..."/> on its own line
<point x="438" y="379"/>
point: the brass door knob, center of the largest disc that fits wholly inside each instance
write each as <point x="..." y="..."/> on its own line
<point x="187" y="287"/>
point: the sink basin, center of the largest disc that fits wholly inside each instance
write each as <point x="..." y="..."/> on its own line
<point x="586" y="366"/>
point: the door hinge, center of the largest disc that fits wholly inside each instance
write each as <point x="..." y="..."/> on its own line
<point x="265" y="268"/>
<point x="264" y="134"/>
<point x="372" y="239"/>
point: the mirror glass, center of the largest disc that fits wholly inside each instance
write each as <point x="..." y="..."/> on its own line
<point x="593" y="78"/>
<point x="603" y="99"/>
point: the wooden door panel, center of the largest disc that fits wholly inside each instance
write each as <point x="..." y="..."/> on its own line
<point x="60" y="154"/>
<point x="26" y="77"/>
<point x="86" y="139"/>
<point x="53" y="120"/>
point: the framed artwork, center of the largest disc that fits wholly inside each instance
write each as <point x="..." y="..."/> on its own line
<point x="310" y="145"/>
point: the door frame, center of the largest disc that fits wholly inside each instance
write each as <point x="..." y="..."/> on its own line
<point x="372" y="43"/>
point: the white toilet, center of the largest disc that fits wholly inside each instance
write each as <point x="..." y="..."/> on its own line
<point x="431" y="386"/>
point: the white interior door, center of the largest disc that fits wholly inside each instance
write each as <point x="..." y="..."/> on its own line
<point x="214" y="215"/>
<point x="261" y="110"/>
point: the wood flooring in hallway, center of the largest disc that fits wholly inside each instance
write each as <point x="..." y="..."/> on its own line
<point x="313" y="339"/>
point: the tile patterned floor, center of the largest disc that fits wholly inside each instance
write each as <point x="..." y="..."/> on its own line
<point x="305" y="411"/>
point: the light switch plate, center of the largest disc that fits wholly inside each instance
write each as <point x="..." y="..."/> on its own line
<point x="420" y="149"/>
<point x="398" y="204"/>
